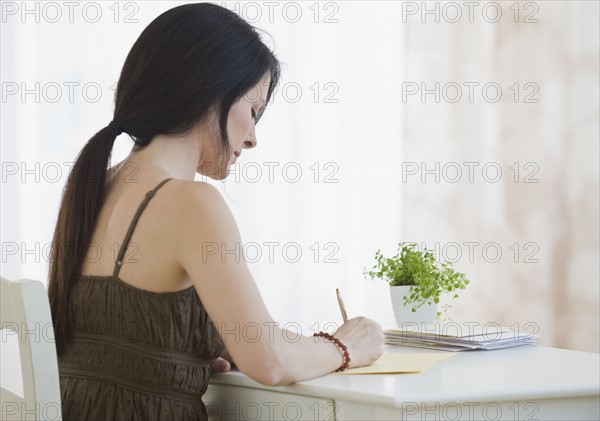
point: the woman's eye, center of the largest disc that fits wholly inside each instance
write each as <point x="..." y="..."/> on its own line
<point x="254" y="116"/>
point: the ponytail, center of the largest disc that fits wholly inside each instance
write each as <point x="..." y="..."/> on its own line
<point x="81" y="202"/>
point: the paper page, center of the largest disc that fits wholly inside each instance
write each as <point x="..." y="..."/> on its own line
<point x="441" y="346"/>
<point x="456" y="334"/>
<point x="429" y="345"/>
<point x="450" y="330"/>
<point x="396" y="363"/>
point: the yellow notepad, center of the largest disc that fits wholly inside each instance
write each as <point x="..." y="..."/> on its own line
<point x="396" y="363"/>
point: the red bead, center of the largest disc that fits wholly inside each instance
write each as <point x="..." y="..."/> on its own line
<point x="339" y="344"/>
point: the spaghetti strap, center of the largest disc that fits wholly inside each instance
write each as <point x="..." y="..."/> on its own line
<point x="132" y="226"/>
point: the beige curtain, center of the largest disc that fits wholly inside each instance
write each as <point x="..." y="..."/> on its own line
<point x="541" y="131"/>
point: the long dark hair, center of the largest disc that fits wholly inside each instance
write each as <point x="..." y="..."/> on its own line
<point x="188" y="61"/>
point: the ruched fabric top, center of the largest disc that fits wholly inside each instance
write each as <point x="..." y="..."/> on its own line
<point x="136" y="354"/>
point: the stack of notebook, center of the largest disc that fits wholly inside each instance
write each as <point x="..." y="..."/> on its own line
<point x="452" y="336"/>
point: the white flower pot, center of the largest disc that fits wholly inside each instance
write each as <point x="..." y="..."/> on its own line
<point x="404" y="314"/>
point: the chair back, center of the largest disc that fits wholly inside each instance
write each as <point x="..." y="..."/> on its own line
<point x="25" y="314"/>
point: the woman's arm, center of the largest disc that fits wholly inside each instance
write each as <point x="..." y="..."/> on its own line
<point x="209" y="249"/>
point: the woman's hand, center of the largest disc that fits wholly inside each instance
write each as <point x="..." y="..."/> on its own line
<point x="364" y="339"/>
<point x="222" y="363"/>
<point x="219" y="365"/>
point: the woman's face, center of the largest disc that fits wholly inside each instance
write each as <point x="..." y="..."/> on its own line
<point x="240" y="130"/>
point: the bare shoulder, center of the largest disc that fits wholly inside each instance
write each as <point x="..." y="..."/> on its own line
<point x="200" y="211"/>
<point x="192" y="197"/>
<point x="193" y="190"/>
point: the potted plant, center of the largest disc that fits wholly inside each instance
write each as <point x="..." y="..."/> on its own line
<point x="416" y="283"/>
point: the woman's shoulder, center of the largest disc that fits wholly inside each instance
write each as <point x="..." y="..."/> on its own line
<point x="201" y="220"/>
<point x="194" y="193"/>
<point x="197" y="202"/>
<point x="192" y="185"/>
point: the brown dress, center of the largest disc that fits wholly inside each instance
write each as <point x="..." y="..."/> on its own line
<point x="136" y="354"/>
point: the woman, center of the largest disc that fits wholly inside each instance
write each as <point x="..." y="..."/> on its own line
<point x="144" y="305"/>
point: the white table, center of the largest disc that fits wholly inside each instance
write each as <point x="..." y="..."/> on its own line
<point x="521" y="383"/>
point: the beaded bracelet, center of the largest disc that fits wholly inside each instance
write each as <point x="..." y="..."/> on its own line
<point x="340" y="345"/>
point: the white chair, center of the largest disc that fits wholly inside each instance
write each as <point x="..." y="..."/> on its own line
<point x="25" y="313"/>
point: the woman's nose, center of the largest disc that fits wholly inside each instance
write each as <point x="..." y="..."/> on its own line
<point x="250" y="143"/>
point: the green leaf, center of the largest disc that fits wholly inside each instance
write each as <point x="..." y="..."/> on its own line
<point x="418" y="268"/>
